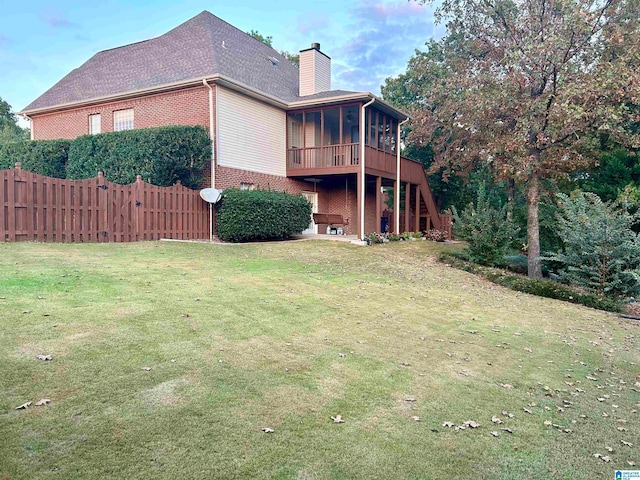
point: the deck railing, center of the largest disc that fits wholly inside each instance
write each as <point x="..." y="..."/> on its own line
<point x="327" y="156"/>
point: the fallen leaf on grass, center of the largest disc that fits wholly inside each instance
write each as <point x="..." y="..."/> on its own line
<point x="267" y="430"/>
<point x="341" y="355"/>
<point x="405" y="364"/>
<point x="146" y="369"/>
<point x="471" y="423"/>
<point x="23" y="406"/>
<point x="528" y="350"/>
<point x="622" y="429"/>
<point x="447" y="424"/>
<point x="548" y="422"/>
<point x="337" y="419"/>
<point x="506" y="385"/>
<point x="415" y="418"/>
<point x="42" y="402"/>
<point x="628" y="444"/>
<point x="495" y="434"/>
<point x="495" y="419"/>
<point x="44" y="357"/>
<point x="185" y="315"/>
<point x="631" y="462"/>
<point x="528" y="411"/>
<point x="508" y="430"/>
<point x="409" y="399"/>
<point x="606" y="459"/>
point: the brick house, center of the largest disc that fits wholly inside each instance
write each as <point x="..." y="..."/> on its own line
<point x="273" y="125"/>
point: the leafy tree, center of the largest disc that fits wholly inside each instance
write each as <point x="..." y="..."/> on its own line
<point x="601" y="251"/>
<point x="268" y="41"/>
<point x="10" y="131"/>
<point x="522" y="85"/>
<point x="617" y="169"/>
<point x="486" y="228"/>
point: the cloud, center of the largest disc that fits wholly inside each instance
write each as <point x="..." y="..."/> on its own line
<point x="379" y="40"/>
<point x="56" y="20"/>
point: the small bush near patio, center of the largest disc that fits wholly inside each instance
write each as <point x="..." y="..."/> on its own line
<point x="44" y="157"/>
<point x="162" y="156"/>
<point x="435" y="235"/>
<point x="250" y="215"/>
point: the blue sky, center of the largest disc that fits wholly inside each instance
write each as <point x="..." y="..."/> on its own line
<point x="41" y="41"/>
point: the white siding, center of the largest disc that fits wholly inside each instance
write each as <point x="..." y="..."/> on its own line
<point x="322" y="72"/>
<point x="307" y="73"/>
<point x="251" y="134"/>
<point x="315" y="72"/>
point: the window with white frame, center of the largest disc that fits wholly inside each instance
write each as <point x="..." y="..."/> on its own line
<point x="247" y="186"/>
<point x="94" y="124"/>
<point x="123" y="120"/>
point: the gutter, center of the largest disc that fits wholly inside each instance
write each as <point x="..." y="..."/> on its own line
<point x="397" y="194"/>
<point x="225" y="82"/>
<point x="212" y="135"/>
<point x="363" y="183"/>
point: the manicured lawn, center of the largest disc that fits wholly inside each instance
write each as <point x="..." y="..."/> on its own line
<point x="286" y="336"/>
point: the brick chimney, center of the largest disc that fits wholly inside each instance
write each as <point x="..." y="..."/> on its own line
<point x="315" y="71"/>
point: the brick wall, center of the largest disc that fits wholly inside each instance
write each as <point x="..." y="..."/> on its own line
<point x="182" y="107"/>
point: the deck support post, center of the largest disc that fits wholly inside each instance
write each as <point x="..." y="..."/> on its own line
<point x="396" y="207"/>
<point x="378" y="204"/>
<point x="360" y="204"/>
<point x="407" y="205"/>
<point x="417" y="211"/>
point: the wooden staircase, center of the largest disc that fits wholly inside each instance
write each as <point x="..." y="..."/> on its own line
<point x="414" y="173"/>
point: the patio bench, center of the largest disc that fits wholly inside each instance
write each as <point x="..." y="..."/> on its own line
<point x="329" y="219"/>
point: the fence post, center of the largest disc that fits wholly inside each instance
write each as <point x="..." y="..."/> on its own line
<point x="103" y="201"/>
<point x="137" y="206"/>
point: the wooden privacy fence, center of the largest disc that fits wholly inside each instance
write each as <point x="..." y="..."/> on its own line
<point x="45" y="209"/>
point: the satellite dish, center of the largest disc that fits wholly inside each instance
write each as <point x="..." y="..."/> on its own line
<point x="211" y="195"/>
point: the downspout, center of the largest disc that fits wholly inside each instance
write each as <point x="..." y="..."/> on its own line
<point x="31" y="132"/>
<point x="363" y="182"/>
<point x="211" y="134"/>
<point x="397" y="194"/>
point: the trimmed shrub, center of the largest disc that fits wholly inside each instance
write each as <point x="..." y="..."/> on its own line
<point x="249" y="215"/>
<point x="542" y="288"/>
<point x="162" y="156"/>
<point x="44" y="157"/>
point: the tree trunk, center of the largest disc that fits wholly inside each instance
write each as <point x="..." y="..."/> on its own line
<point x="533" y="227"/>
<point x="511" y="195"/>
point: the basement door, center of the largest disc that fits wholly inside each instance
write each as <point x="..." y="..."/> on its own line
<point x="312" y="198"/>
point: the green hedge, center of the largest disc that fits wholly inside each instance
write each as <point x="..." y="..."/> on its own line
<point x="45" y="157"/>
<point x="249" y="215"/>
<point x="160" y="155"/>
<point x="542" y="288"/>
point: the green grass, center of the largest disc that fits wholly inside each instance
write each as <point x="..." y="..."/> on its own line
<point x="250" y="336"/>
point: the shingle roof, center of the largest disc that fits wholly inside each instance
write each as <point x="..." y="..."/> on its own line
<point x="202" y="46"/>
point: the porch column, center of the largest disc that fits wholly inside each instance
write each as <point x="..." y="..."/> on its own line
<point x="360" y="205"/>
<point x="417" y="212"/>
<point x="396" y="207"/>
<point x="378" y="205"/>
<point x="407" y="205"/>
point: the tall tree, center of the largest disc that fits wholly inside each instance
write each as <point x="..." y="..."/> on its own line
<point x="268" y="41"/>
<point x="523" y="85"/>
<point x="10" y="131"/>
